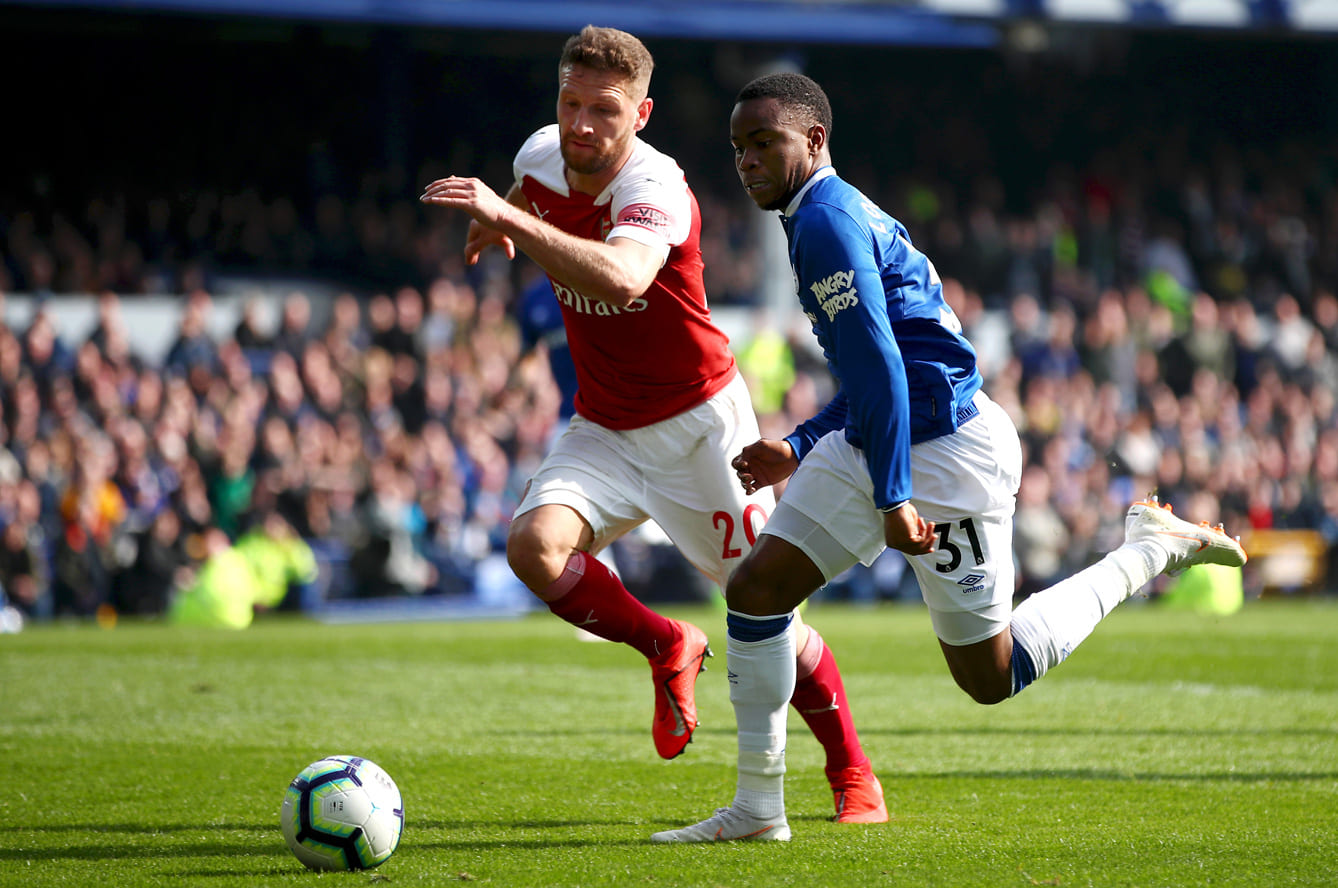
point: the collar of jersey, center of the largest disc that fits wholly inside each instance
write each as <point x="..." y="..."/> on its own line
<point x="818" y="175"/>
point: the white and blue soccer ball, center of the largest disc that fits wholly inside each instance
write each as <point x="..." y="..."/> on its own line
<point x="342" y="813"/>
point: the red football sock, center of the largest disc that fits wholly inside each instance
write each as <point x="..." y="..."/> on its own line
<point x="590" y="597"/>
<point x="820" y="698"/>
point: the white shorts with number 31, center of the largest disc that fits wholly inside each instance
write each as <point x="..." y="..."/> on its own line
<point x="965" y="485"/>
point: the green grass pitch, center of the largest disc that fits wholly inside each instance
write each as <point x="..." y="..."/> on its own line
<point x="1170" y="750"/>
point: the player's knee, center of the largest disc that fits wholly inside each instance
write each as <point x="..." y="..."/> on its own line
<point x="986" y="689"/>
<point x="533" y="560"/>
<point x="748" y="593"/>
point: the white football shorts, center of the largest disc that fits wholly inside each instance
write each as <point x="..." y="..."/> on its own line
<point x="675" y="472"/>
<point x="965" y="485"/>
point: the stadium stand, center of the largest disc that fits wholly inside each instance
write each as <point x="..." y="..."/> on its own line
<point x="1142" y="241"/>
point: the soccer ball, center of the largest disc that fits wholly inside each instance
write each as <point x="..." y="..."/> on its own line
<point x="342" y="813"/>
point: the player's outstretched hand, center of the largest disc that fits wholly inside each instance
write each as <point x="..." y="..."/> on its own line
<point x="487" y="208"/>
<point x="905" y="531"/>
<point x="764" y="463"/>
<point x="481" y="237"/>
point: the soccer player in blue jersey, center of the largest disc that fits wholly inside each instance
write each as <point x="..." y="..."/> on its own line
<point x="910" y="454"/>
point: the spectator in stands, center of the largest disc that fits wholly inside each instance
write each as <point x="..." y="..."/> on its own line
<point x="81" y="575"/>
<point x="25" y="570"/>
<point x="405" y="334"/>
<point x="194" y="354"/>
<point x="294" y="325"/>
<point x="44" y="354"/>
<point x="387" y="560"/>
<point x="1054" y="354"/>
<point x="1040" y="535"/>
<point x="222" y="593"/>
<point x="160" y="567"/>
<point x="141" y="484"/>
<point x="346" y="337"/>
<point x="110" y="330"/>
<point x="282" y="564"/>
<point x="542" y="330"/>
<point x="229" y="477"/>
<point x="251" y="332"/>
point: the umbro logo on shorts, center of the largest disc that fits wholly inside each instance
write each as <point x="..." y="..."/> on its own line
<point x="972" y="583"/>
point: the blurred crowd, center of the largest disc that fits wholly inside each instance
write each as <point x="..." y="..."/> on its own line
<point x="394" y="439"/>
<point x="1159" y="316"/>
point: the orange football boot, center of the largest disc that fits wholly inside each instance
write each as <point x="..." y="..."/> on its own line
<point x="859" y="797"/>
<point x="675" y="675"/>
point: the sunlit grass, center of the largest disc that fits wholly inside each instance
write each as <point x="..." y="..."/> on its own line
<point x="1171" y="749"/>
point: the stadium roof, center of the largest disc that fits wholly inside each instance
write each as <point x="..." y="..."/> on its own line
<point x="894" y="22"/>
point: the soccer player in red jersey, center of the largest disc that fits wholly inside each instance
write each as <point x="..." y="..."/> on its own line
<point x="660" y="405"/>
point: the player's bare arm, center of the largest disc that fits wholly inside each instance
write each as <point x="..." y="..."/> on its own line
<point x="764" y="463"/>
<point x="618" y="271"/>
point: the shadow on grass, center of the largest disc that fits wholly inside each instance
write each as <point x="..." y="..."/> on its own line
<point x="117" y="851"/>
<point x="143" y="829"/>
<point x="548" y="734"/>
<point x="294" y="868"/>
<point x="510" y="842"/>
<point x="461" y="825"/>
<point x="246" y="846"/>
<point x="1122" y="776"/>
<point x="139" y="841"/>
<point x="1052" y="731"/>
<point x="468" y="840"/>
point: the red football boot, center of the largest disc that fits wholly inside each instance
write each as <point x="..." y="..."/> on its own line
<point x="859" y="797"/>
<point x="675" y="675"/>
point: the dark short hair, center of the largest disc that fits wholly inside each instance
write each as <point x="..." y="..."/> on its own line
<point x="609" y="50"/>
<point x="792" y="91"/>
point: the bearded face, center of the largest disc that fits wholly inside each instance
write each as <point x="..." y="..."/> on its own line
<point x="599" y="115"/>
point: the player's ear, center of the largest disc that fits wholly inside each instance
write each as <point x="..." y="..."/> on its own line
<point x="817" y="138"/>
<point x="643" y="113"/>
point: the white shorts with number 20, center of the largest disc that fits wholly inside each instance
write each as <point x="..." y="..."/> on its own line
<point x="675" y="472"/>
<point x="964" y="485"/>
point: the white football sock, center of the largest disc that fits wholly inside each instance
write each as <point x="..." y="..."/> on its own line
<point x="761" y="682"/>
<point x="1054" y="621"/>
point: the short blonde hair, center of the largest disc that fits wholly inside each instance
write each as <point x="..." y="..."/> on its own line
<point x="610" y="50"/>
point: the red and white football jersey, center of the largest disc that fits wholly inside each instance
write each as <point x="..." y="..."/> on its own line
<point x="661" y="355"/>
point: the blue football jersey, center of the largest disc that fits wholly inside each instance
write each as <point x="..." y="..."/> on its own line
<point x="905" y="372"/>
<point x="540" y="319"/>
